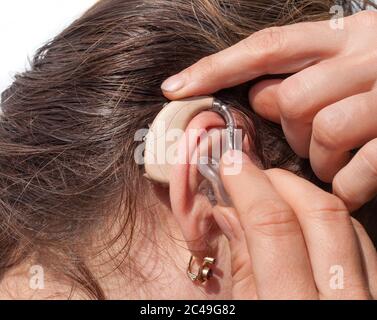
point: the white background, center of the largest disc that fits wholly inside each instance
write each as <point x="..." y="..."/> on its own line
<point x="25" y="25"/>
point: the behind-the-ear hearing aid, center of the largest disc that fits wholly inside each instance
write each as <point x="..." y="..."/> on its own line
<point x="177" y="115"/>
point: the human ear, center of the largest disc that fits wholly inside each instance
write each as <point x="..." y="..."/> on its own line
<point x="173" y="163"/>
<point x="188" y="189"/>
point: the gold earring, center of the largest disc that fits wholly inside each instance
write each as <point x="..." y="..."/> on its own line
<point x="204" y="272"/>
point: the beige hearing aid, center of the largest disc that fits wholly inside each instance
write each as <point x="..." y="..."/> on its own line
<point x="174" y="115"/>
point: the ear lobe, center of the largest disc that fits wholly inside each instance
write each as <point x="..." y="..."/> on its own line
<point x="191" y="207"/>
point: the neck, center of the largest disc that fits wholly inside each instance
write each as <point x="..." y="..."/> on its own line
<point x="155" y="268"/>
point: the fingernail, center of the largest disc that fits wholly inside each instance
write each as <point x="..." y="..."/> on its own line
<point x="173" y="83"/>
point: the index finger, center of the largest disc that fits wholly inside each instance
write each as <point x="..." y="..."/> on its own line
<point x="275" y="50"/>
<point x="273" y="234"/>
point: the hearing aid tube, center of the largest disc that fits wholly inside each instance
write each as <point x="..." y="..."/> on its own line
<point x="209" y="169"/>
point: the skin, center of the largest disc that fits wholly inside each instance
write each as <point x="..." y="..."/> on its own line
<point x="286" y="235"/>
<point x="323" y="116"/>
<point x="159" y="255"/>
<point x="282" y="224"/>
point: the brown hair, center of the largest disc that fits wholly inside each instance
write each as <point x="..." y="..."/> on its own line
<point x="67" y="125"/>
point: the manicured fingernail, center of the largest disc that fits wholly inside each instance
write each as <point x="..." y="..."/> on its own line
<point x="173" y="83"/>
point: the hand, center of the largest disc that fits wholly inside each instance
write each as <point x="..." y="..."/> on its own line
<point x="291" y="240"/>
<point x="327" y="108"/>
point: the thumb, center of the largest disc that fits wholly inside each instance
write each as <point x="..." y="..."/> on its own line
<point x="242" y="275"/>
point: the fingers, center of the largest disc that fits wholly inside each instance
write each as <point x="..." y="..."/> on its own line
<point x="295" y="101"/>
<point x="276" y="50"/>
<point x="273" y="235"/>
<point x="369" y="257"/>
<point x="262" y="98"/>
<point x="339" y="128"/>
<point x="302" y="95"/>
<point x="329" y="235"/>
<point x="356" y="183"/>
<point x="242" y="275"/>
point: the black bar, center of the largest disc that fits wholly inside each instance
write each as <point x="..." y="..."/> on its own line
<point x="114" y="310"/>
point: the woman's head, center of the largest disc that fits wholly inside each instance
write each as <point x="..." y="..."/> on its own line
<point x="67" y="128"/>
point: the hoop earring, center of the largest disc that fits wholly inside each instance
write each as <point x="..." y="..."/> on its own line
<point x="204" y="273"/>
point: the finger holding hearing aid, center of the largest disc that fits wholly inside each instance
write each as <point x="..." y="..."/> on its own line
<point x="297" y="236"/>
<point x="273" y="235"/>
<point x="327" y="103"/>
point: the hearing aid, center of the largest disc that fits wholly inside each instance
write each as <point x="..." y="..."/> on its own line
<point x="177" y="115"/>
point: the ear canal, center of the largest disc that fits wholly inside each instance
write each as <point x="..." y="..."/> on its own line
<point x="175" y="115"/>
